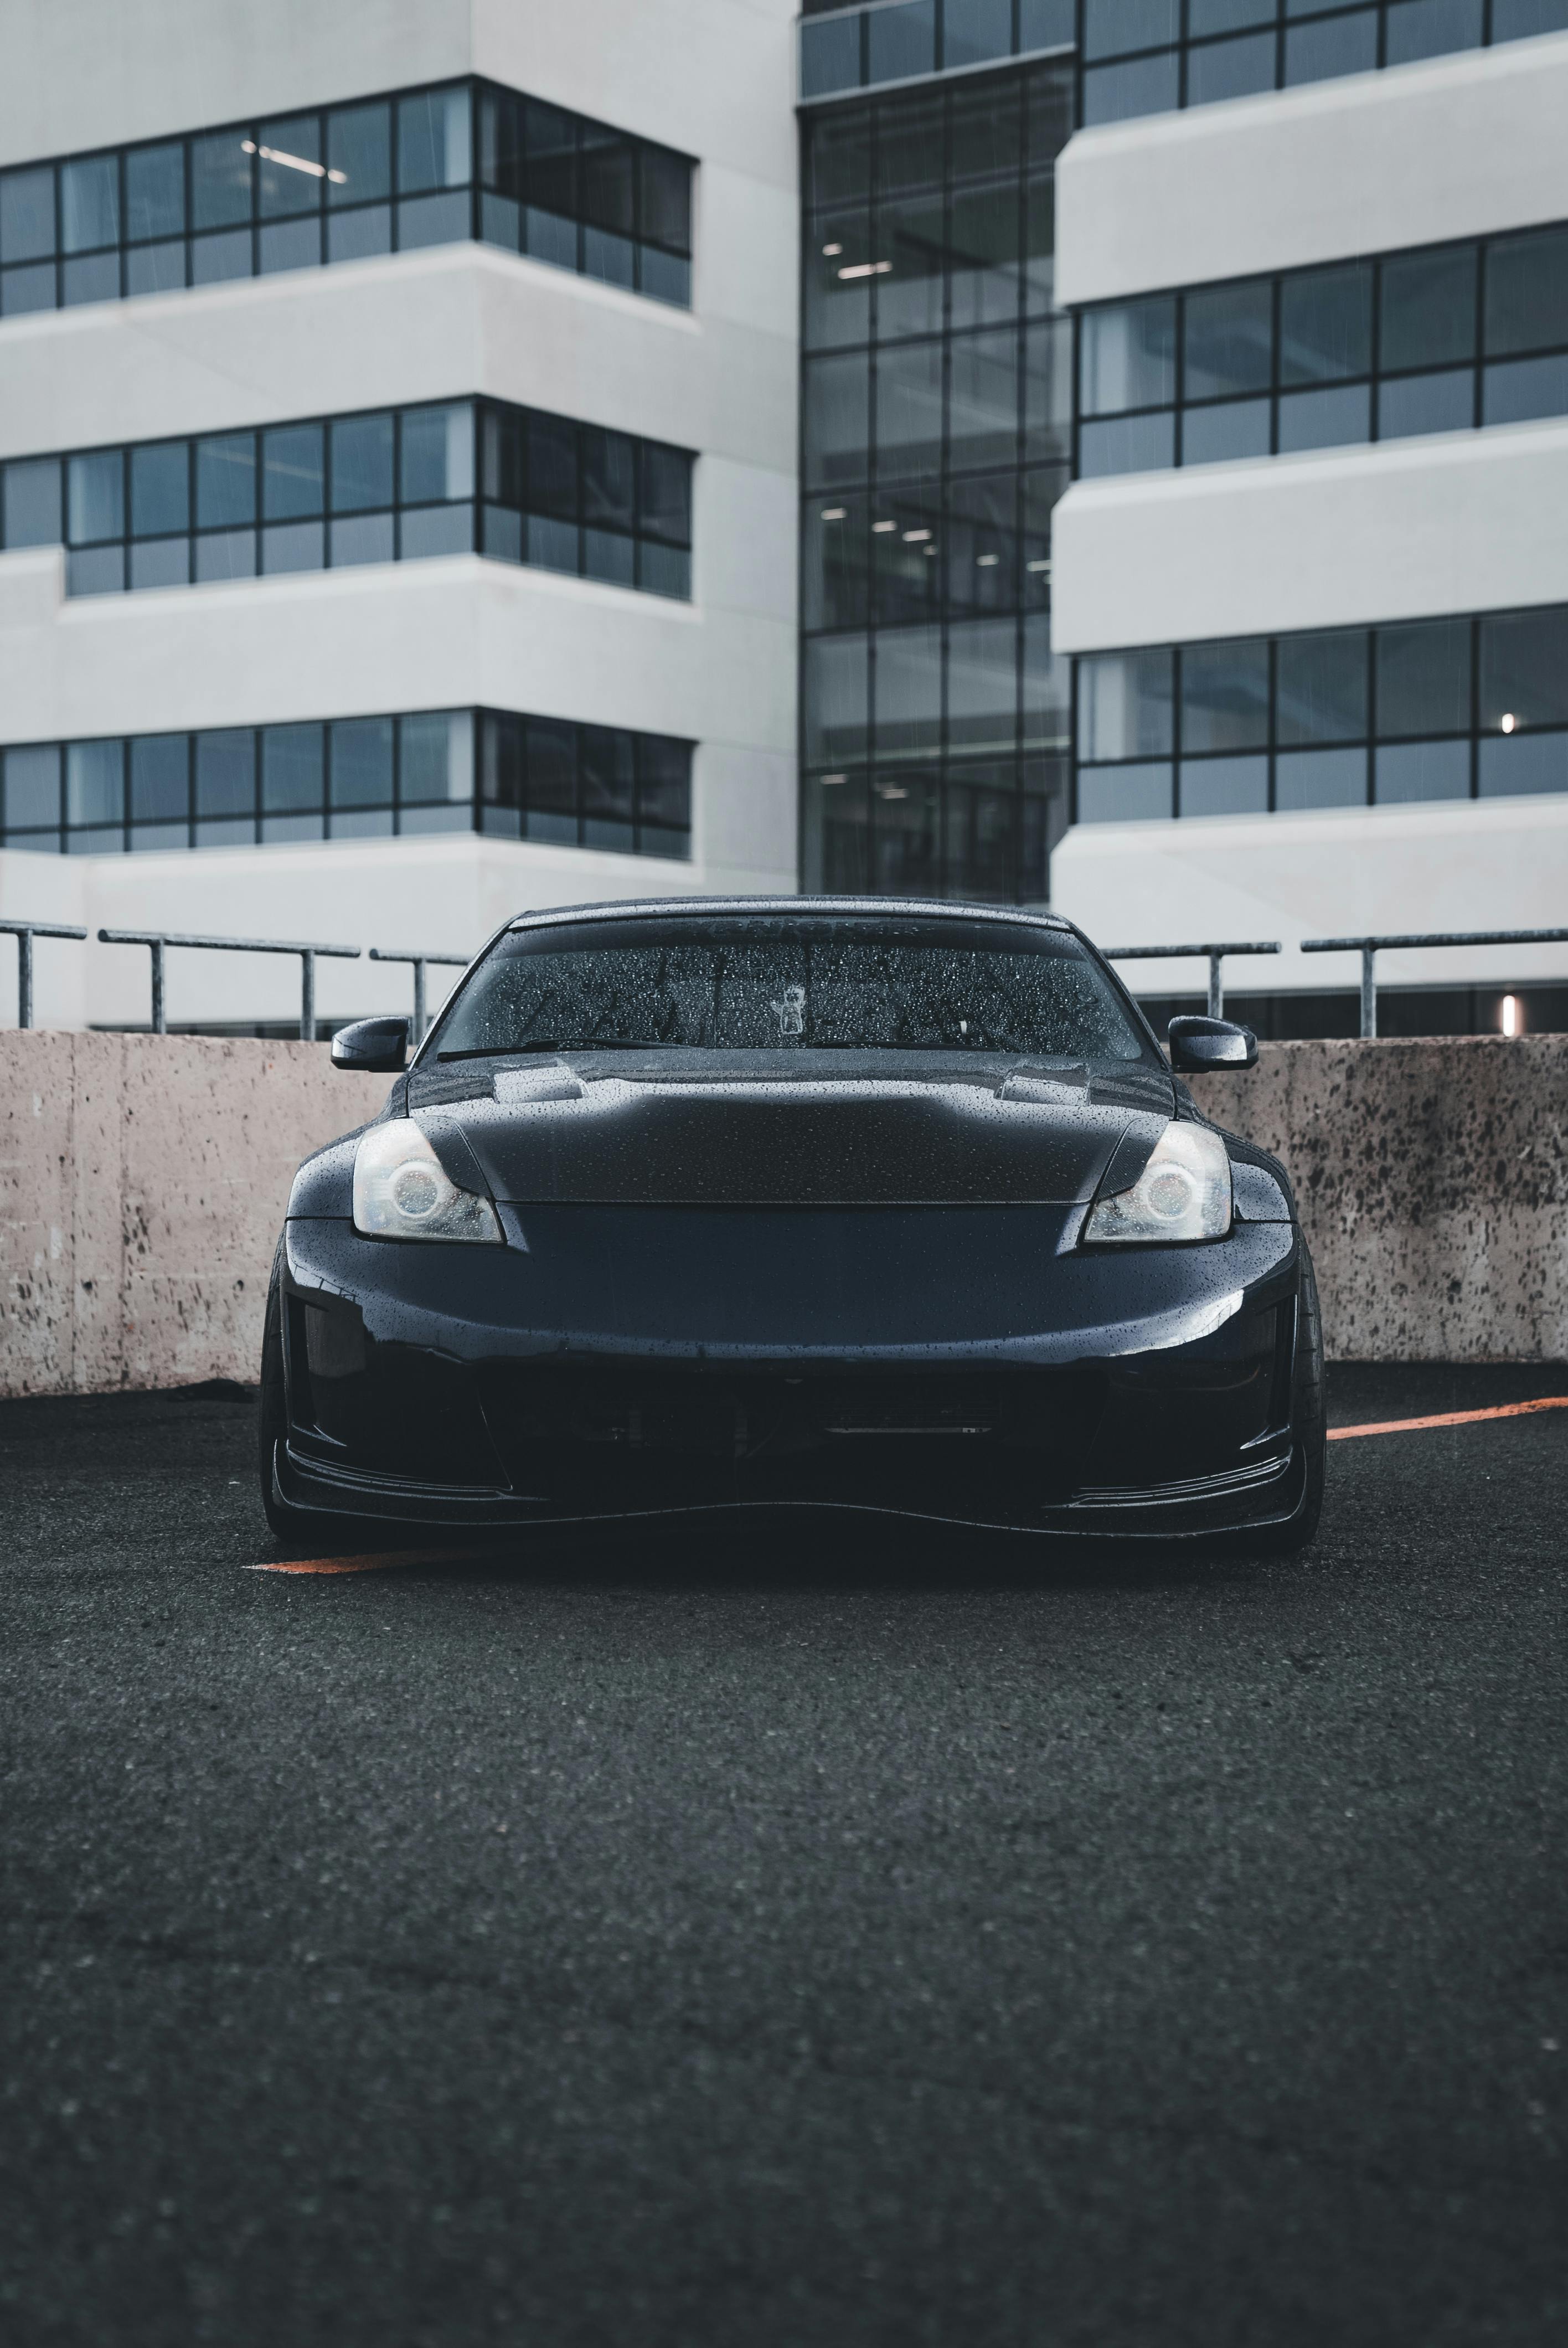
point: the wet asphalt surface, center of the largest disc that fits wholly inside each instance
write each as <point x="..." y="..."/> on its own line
<point x="843" y="1939"/>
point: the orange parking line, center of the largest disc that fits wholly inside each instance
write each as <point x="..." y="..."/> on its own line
<point x="1449" y="1418"/>
<point x="371" y="1564"/>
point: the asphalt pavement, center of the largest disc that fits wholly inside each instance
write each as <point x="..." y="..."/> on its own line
<point x="841" y="1936"/>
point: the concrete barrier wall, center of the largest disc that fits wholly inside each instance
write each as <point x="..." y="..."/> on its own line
<point x="142" y="1184"/>
<point x="143" y="1180"/>
<point x="1432" y="1178"/>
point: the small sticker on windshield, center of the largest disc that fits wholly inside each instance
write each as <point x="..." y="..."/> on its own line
<point x="792" y="1011"/>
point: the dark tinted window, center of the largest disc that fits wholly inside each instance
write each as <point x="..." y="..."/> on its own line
<point x="757" y="985"/>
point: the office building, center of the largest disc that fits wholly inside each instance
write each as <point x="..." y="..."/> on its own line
<point x="1108" y="451"/>
<point x="397" y="464"/>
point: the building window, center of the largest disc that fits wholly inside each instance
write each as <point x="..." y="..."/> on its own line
<point x="857" y="48"/>
<point x="393" y="485"/>
<point x="1441" y="339"/>
<point x="936" y="432"/>
<point x="1147" y="57"/>
<point x="1426" y="709"/>
<point x="440" y="771"/>
<point x="436" y="166"/>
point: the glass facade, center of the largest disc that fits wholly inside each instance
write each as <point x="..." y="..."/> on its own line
<point x="1149" y="57"/>
<point x="441" y="770"/>
<point x="1429" y="709"/>
<point x="1145" y="56"/>
<point x="393" y="485"/>
<point x="937" y="438"/>
<point x="842" y="49"/>
<point x="431" y="166"/>
<point x="1437" y="340"/>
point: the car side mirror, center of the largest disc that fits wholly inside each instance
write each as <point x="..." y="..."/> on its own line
<point x="1199" y="1045"/>
<point x="372" y="1048"/>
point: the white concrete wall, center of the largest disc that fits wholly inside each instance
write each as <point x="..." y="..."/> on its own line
<point x="1459" y="521"/>
<point x="1485" y="864"/>
<point x="436" y="324"/>
<point x="1459" y="146"/>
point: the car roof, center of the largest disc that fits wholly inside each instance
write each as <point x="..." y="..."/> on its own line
<point x="888" y="908"/>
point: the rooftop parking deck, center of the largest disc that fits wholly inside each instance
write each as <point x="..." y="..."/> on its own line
<point x="784" y="1938"/>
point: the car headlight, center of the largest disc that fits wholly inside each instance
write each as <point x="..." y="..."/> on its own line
<point x="402" y="1191"/>
<point x="1182" y="1194"/>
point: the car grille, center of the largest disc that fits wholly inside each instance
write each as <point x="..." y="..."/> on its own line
<point x="680" y="1430"/>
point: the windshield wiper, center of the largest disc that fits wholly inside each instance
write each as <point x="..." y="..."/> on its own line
<point x="563" y="1043"/>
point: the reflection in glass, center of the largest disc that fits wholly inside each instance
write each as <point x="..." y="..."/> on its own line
<point x="1423" y="678"/>
<point x="1525" y="671"/>
<point x="1136" y="794"/>
<point x="1127" y="356"/>
<point x="1224" y="697"/>
<point x="1420" y="770"/>
<point x="1319" y="779"/>
<point x="89" y="204"/>
<point x="1428" y="309"/>
<point x="159" y="488"/>
<point x="95" y="785"/>
<point x="1224" y="786"/>
<point x="1322" y="688"/>
<point x="1227" y="340"/>
<point x="225" y="480"/>
<point x="1326" y="324"/>
<point x="1124" y="704"/>
<point x="359" y="154"/>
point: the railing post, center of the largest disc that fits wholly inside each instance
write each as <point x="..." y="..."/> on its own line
<point x="307" y="994"/>
<point x="24" y="933"/>
<point x="420" y="964"/>
<point x="159" y="1017"/>
<point x="1369" y="993"/>
<point x="1216" y="987"/>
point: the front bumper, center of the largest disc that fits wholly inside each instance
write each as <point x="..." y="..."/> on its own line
<point x="964" y="1366"/>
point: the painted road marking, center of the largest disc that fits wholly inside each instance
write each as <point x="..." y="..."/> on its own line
<point x="371" y="1564"/>
<point x="1449" y="1418"/>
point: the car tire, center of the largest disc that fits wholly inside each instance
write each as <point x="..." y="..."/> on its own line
<point x="1309" y="1417"/>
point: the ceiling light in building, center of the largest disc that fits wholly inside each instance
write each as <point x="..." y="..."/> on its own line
<point x="916" y="537"/>
<point x="831" y="252"/>
<point x="292" y="163"/>
<point x="879" y="528"/>
<point x="828" y="780"/>
<point x="987" y="561"/>
<point x="1513" y="1016"/>
<point x="833" y="513"/>
<point x="866" y="269"/>
<point x="891" y="791"/>
<point x="1509" y="721"/>
<point x="1037" y="567"/>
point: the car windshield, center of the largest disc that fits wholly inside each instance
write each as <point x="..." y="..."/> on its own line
<point x="740" y="983"/>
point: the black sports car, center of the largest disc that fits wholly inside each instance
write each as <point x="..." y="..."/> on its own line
<point x="696" y="1203"/>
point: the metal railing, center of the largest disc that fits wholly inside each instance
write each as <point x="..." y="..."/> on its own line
<point x="422" y="962"/>
<point x="24" y="933"/>
<point x="1214" y="954"/>
<point x="159" y="941"/>
<point x="1369" y="948"/>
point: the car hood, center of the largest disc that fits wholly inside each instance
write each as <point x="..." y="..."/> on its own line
<point x="786" y="1128"/>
